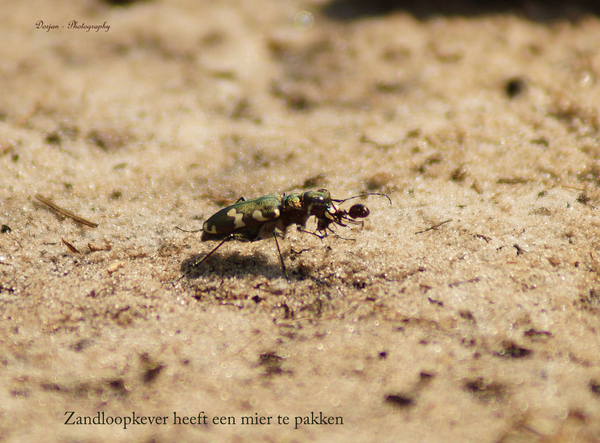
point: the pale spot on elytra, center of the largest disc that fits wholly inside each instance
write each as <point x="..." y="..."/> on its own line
<point x="257" y="215"/>
<point x="238" y="218"/>
<point x="210" y="230"/>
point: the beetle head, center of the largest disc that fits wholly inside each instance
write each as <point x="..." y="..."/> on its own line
<point x="317" y="202"/>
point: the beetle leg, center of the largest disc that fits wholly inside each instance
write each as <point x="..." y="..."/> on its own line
<point x="241" y="199"/>
<point x="203" y="260"/>
<point x="211" y="252"/>
<point x="281" y="258"/>
<point x="270" y="229"/>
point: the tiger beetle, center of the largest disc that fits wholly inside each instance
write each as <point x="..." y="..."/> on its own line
<point x="270" y="216"/>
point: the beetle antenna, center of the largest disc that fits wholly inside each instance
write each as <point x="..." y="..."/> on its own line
<point x="363" y="195"/>
<point x="185" y="230"/>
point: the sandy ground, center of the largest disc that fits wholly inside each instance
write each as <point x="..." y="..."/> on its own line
<point x="467" y="310"/>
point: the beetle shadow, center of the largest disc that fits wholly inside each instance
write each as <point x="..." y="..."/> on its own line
<point x="231" y="265"/>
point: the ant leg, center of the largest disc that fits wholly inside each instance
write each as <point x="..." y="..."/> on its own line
<point x="342" y="238"/>
<point x="312" y="233"/>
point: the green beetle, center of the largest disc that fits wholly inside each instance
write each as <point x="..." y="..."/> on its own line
<point x="271" y="215"/>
